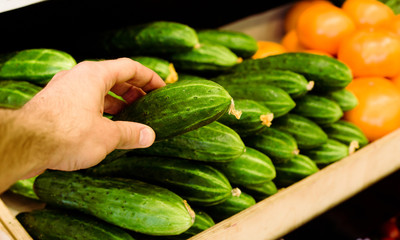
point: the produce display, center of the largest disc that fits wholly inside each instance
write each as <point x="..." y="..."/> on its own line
<point x="234" y="125"/>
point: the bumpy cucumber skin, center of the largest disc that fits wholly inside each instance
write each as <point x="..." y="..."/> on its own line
<point x="61" y="224"/>
<point x="189" y="77"/>
<point x="158" y="37"/>
<point x="319" y="109"/>
<point x="214" y="142"/>
<point x="37" y="66"/>
<point x="296" y="169"/>
<point x="24" y="187"/>
<point x="204" y="59"/>
<point x="278" y="145"/>
<point x="260" y="191"/>
<point x="231" y="206"/>
<point x="274" y="98"/>
<point x="178" y="107"/>
<point x="329" y="152"/>
<point x="328" y="73"/>
<point x="346" y="99"/>
<point x="250" y="121"/>
<point x="306" y="132"/>
<point x="127" y="203"/>
<point x="346" y="132"/>
<point x="240" y="43"/>
<point x="252" y="167"/>
<point x="296" y="85"/>
<point x="199" y="184"/>
<point x="14" y="94"/>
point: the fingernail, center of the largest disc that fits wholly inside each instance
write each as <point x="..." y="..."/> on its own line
<point x="146" y="137"/>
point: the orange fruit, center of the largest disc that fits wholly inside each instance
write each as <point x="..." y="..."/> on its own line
<point x="371" y="53"/>
<point x="396" y="81"/>
<point x="290" y="41"/>
<point x="323" y="27"/>
<point x="268" y="48"/>
<point x="378" y="109"/>
<point x="290" y="20"/>
<point x="367" y="13"/>
<point x="392" y="25"/>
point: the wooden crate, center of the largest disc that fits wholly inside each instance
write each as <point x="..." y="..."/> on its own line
<point x="291" y="207"/>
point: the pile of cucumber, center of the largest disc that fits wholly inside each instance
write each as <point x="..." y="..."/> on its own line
<point x="231" y="131"/>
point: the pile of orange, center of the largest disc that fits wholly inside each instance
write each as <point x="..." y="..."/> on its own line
<point x="363" y="34"/>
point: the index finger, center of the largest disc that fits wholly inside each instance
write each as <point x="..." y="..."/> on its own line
<point x="125" y="70"/>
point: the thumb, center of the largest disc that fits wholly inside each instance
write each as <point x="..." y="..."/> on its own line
<point x="134" y="135"/>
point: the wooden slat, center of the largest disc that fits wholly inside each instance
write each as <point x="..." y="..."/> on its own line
<point x="290" y="208"/>
<point x="11" y="225"/>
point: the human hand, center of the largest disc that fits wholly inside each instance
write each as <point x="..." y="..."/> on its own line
<point x="69" y="113"/>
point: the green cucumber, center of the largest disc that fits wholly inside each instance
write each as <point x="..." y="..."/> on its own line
<point x="203" y="221"/>
<point x="24" y="187"/>
<point x="198" y="183"/>
<point x="296" y="169"/>
<point x="261" y="191"/>
<point x="162" y="67"/>
<point x="294" y="84"/>
<point x="207" y="58"/>
<point x="274" y="98"/>
<point x="14" y="94"/>
<point x="179" y="107"/>
<point x="251" y="167"/>
<point x="329" y="152"/>
<point x="37" y="65"/>
<point x="240" y="43"/>
<point x="347" y="133"/>
<point x="63" y="224"/>
<point x="306" y="132"/>
<point x="319" y="109"/>
<point x="151" y="38"/>
<point x="208" y="144"/>
<point x="345" y="98"/>
<point x="327" y="73"/>
<point x="187" y="76"/>
<point x="254" y="117"/>
<point x="276" y="144"/>
<point x="231" y="206"/>
<point x="127" y="203"/>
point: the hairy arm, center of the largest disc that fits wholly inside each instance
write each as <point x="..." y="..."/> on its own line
<point x="63" y="126"/>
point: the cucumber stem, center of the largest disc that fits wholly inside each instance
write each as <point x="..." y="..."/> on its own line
<point x="233" y="111"/>
<point x="310" y="85"/>
<point x="296" y="152"/>
<point x="236" y="192"/>
<point x="266" y="119"/>
<point x="353" y="146"/>
<point x="190" y="210"/>
<point x="173" y="76"/>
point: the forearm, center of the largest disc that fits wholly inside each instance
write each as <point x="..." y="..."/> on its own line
<point x="24" y="146"/>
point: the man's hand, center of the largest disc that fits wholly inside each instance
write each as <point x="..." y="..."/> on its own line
<point x="64" y="125"/>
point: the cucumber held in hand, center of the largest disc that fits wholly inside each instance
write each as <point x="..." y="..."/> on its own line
<point x="207" y="58"/>
<point x="208" y="144"/>
<point x="327" y="73"/>
<point x="64" y="224"/>
<point x="198" y="183"/>
<point x="153" y="38"/>
<point x="179" y="107"/>
<point x="253" y="119"/>
<point x="127" y="203"/>
<point x="14" y="94"/>
<point x="37" y="66"/>
<point x="240" y="43"/>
